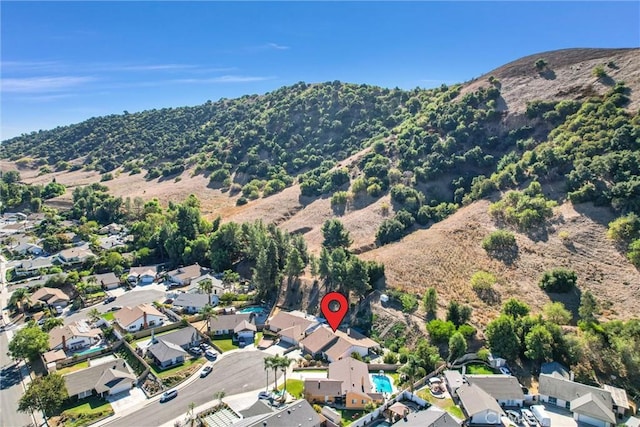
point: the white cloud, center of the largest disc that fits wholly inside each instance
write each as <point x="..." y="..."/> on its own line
<point x="42" y="84"/>
<point x="277" y="46"/>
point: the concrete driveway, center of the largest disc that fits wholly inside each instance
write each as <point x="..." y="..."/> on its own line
<point x="122" y="401"/>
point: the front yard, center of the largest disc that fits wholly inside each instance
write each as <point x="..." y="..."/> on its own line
<point x="476" y="369"/>
<point x="175" y="375"/>
<point x="84" y="412"/>
<point x="108" y="316"/>
<point x="225" y="344"/>
<point x="294" y="387"/>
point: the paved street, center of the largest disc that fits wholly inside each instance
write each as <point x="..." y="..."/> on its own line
<point x="10" y="377"/>
<point x="236" y="373"/>
<point x="129" y="298"/>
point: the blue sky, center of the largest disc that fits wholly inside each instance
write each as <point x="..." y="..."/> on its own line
<point x="66" y="62"/>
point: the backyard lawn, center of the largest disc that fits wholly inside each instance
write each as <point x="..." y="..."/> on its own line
<point x="445" y="404"/>
<point x="73" y="368"/>
<point x="85" y="412"/>
<point x="478" y="370"/>
<point x="294" y="388"/>
<point x="350" y="415"/>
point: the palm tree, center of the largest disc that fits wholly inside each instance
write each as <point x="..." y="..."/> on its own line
<point x="208" y="313"/>
<point x="275" y="365"/>
<point x="20" y="298"/>
<point x="284" y="364"/>
<point x="219" y="395"/>
<point x="268" y="364"/>
<point x="206" y="286"/>
<point x="93" y="315"/>
<point x="190" y="412"/>
<point x="412" y="370"/>
<point x="51" y="323"/>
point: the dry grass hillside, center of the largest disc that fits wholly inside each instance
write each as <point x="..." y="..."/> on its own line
<point x="447" y="254"/>
<point x="568" y="75"/>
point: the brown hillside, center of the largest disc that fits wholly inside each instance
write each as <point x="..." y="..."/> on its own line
<point x="567" y="76"/>
<point x="447" y="254"/>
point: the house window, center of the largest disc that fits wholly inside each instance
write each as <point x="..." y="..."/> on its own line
<point x="364" y="401"/>
<point x="567" y="405"/>
<point x="553" y="400"/>
<point x="353" y="401"/>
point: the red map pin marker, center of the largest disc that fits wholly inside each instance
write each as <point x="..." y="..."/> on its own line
<point x="334" y="306"/>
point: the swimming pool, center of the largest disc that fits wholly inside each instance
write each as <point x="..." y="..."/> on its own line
<point x="252" y="310"/>
<point x="91" y="350"/>
<point x="382" y="383"/>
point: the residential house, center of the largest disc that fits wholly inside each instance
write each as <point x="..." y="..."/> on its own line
<point x="50" y="296"/>
<point x="227" y="324"/>
<point x="454" y="380"/>
<point x="324" y="390"/>
<point x="192" y="303"/>
<point x="620" y="400"/>
<point x="25" y="248"/>
<point x="217" y="286"/>
<point x="298" y="413"/>
<point x="140" y="317"/>
<point x="144" y="275"/>
<point x="107" y="281"/>
<point x="112" y="229"/>
<point x="74" y="336"/>
<point x="104" y="379"/>
<point x="184" y="275"/>
<point x="33" y="266"/>
<point x="336" y="345"/>
<point x="290" y="328"/>
<point x="432" y="417"/>
<point x="504" y="388"/>
<point x="551" y="367"/>
<point x="51" y="357"/>
<point x="75" y="255"/>
<point x="166" y="354"/>
<point x="357" y="390"/>
<point x="480" y="407"/>
<point x="169" y="349"/>
<point x="590" y="405"/>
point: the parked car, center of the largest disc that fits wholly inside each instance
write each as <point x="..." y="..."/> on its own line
<point x="59" y="310"/>
<point x="196" y="350"/>
<point x="264" y="395"/>
<point x="514" y="416"/>
<point x="206" y="371"/>
<point x="168" y="395"/>
<point x="116" y="308"/>
<point x="529" y="418"/>
<point x="211" y="354"/>
<point x="109" y="299"/>
<point x="205" y="346"/>
<point x="504" y="370"/>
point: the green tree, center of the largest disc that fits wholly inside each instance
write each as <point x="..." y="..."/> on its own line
<point x="430" y="302"/>
<point x="335" y="235"/>
<point x="283" y="363"/>
<point x="44" y="394"/>
<point x="588" y="307"/>
<point x="515" y="308"/>
<point x="457" y="346"/>
<point x="268" y="364"/>
<point x="294" y="265"/>
<point x="539" y="344"/>
<point x="412" y="371"/>
<point x="357" y="277"/>
<point x="51" y="323"/>
<point x="28" y="343"/>
<point x="206" y="286"/>
<point x="93" y="315"/>
<point x="208" y="313"/>
<point x="558" y="280"/>
<point x="540" y="64"/>
<point x="20" y="298"/>
<point x="502" y="337"/>
<point x="556" y="313"/>
<point x="440" y="331"/>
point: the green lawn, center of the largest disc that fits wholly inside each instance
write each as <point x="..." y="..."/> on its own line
<point x="350" y="415"/>
<point x="85" y="412"/>
<point x="166" y="373"/>
<point x="294" y="388"/>
<point x="396" y="378"/>
<point x="478" y="370"/>
<point x="258" y="338"/>
<point x="108" y="316"/>
<point x="445" y="404"/>
<point x="311" y="371"/>
<point x="73" y="368"/>
<point x="224" y="344"/>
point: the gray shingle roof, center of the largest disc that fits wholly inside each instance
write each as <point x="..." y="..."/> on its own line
<point x="299" y="413"/>
<point x="432" y="417"/>
<point x="592" y="406"/>
<point x="180" y="337"/>
<point x="475" y="400"/>
<point x="94" y="378"/>
<point x="163" y="350"/>
<point x="500" y="387"/>
<point x="229" y="321"/>
<point x="189" y="299"/>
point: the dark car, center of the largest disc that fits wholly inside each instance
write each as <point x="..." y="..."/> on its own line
<point x="196" y="350"/>
<point x="109" y="299"/>
<point x="264" y="395"/>
<point x="116" y="308"/>
<point x="168" y="395"/>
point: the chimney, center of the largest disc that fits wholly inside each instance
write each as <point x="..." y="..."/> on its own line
<point x="64" y="342"/>
<point x="144" y="319"/>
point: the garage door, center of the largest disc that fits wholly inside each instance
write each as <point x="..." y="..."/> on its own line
<point x="126" y="385"/>
<point x="592" y="421"/>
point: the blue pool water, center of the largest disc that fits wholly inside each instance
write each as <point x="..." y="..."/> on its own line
<point x="382" y="383"/>
<point x="90" y="350"/>
<point x="252" y="310"/>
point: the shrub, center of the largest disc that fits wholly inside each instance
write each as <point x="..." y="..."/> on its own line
<point x="599" y="72"/>
<point x="559" y="280"/>
<point x="499" y="240"/>
<point x="409" y="303"/>
<point x="482" y="281"/>
<point x="540" y="64"/>
<point x="391" y="358"/>
<point x="339" y="198"/>
<point x="440" y="331"/>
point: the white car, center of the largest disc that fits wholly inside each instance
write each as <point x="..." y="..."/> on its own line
<point x="211" y="354"/>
